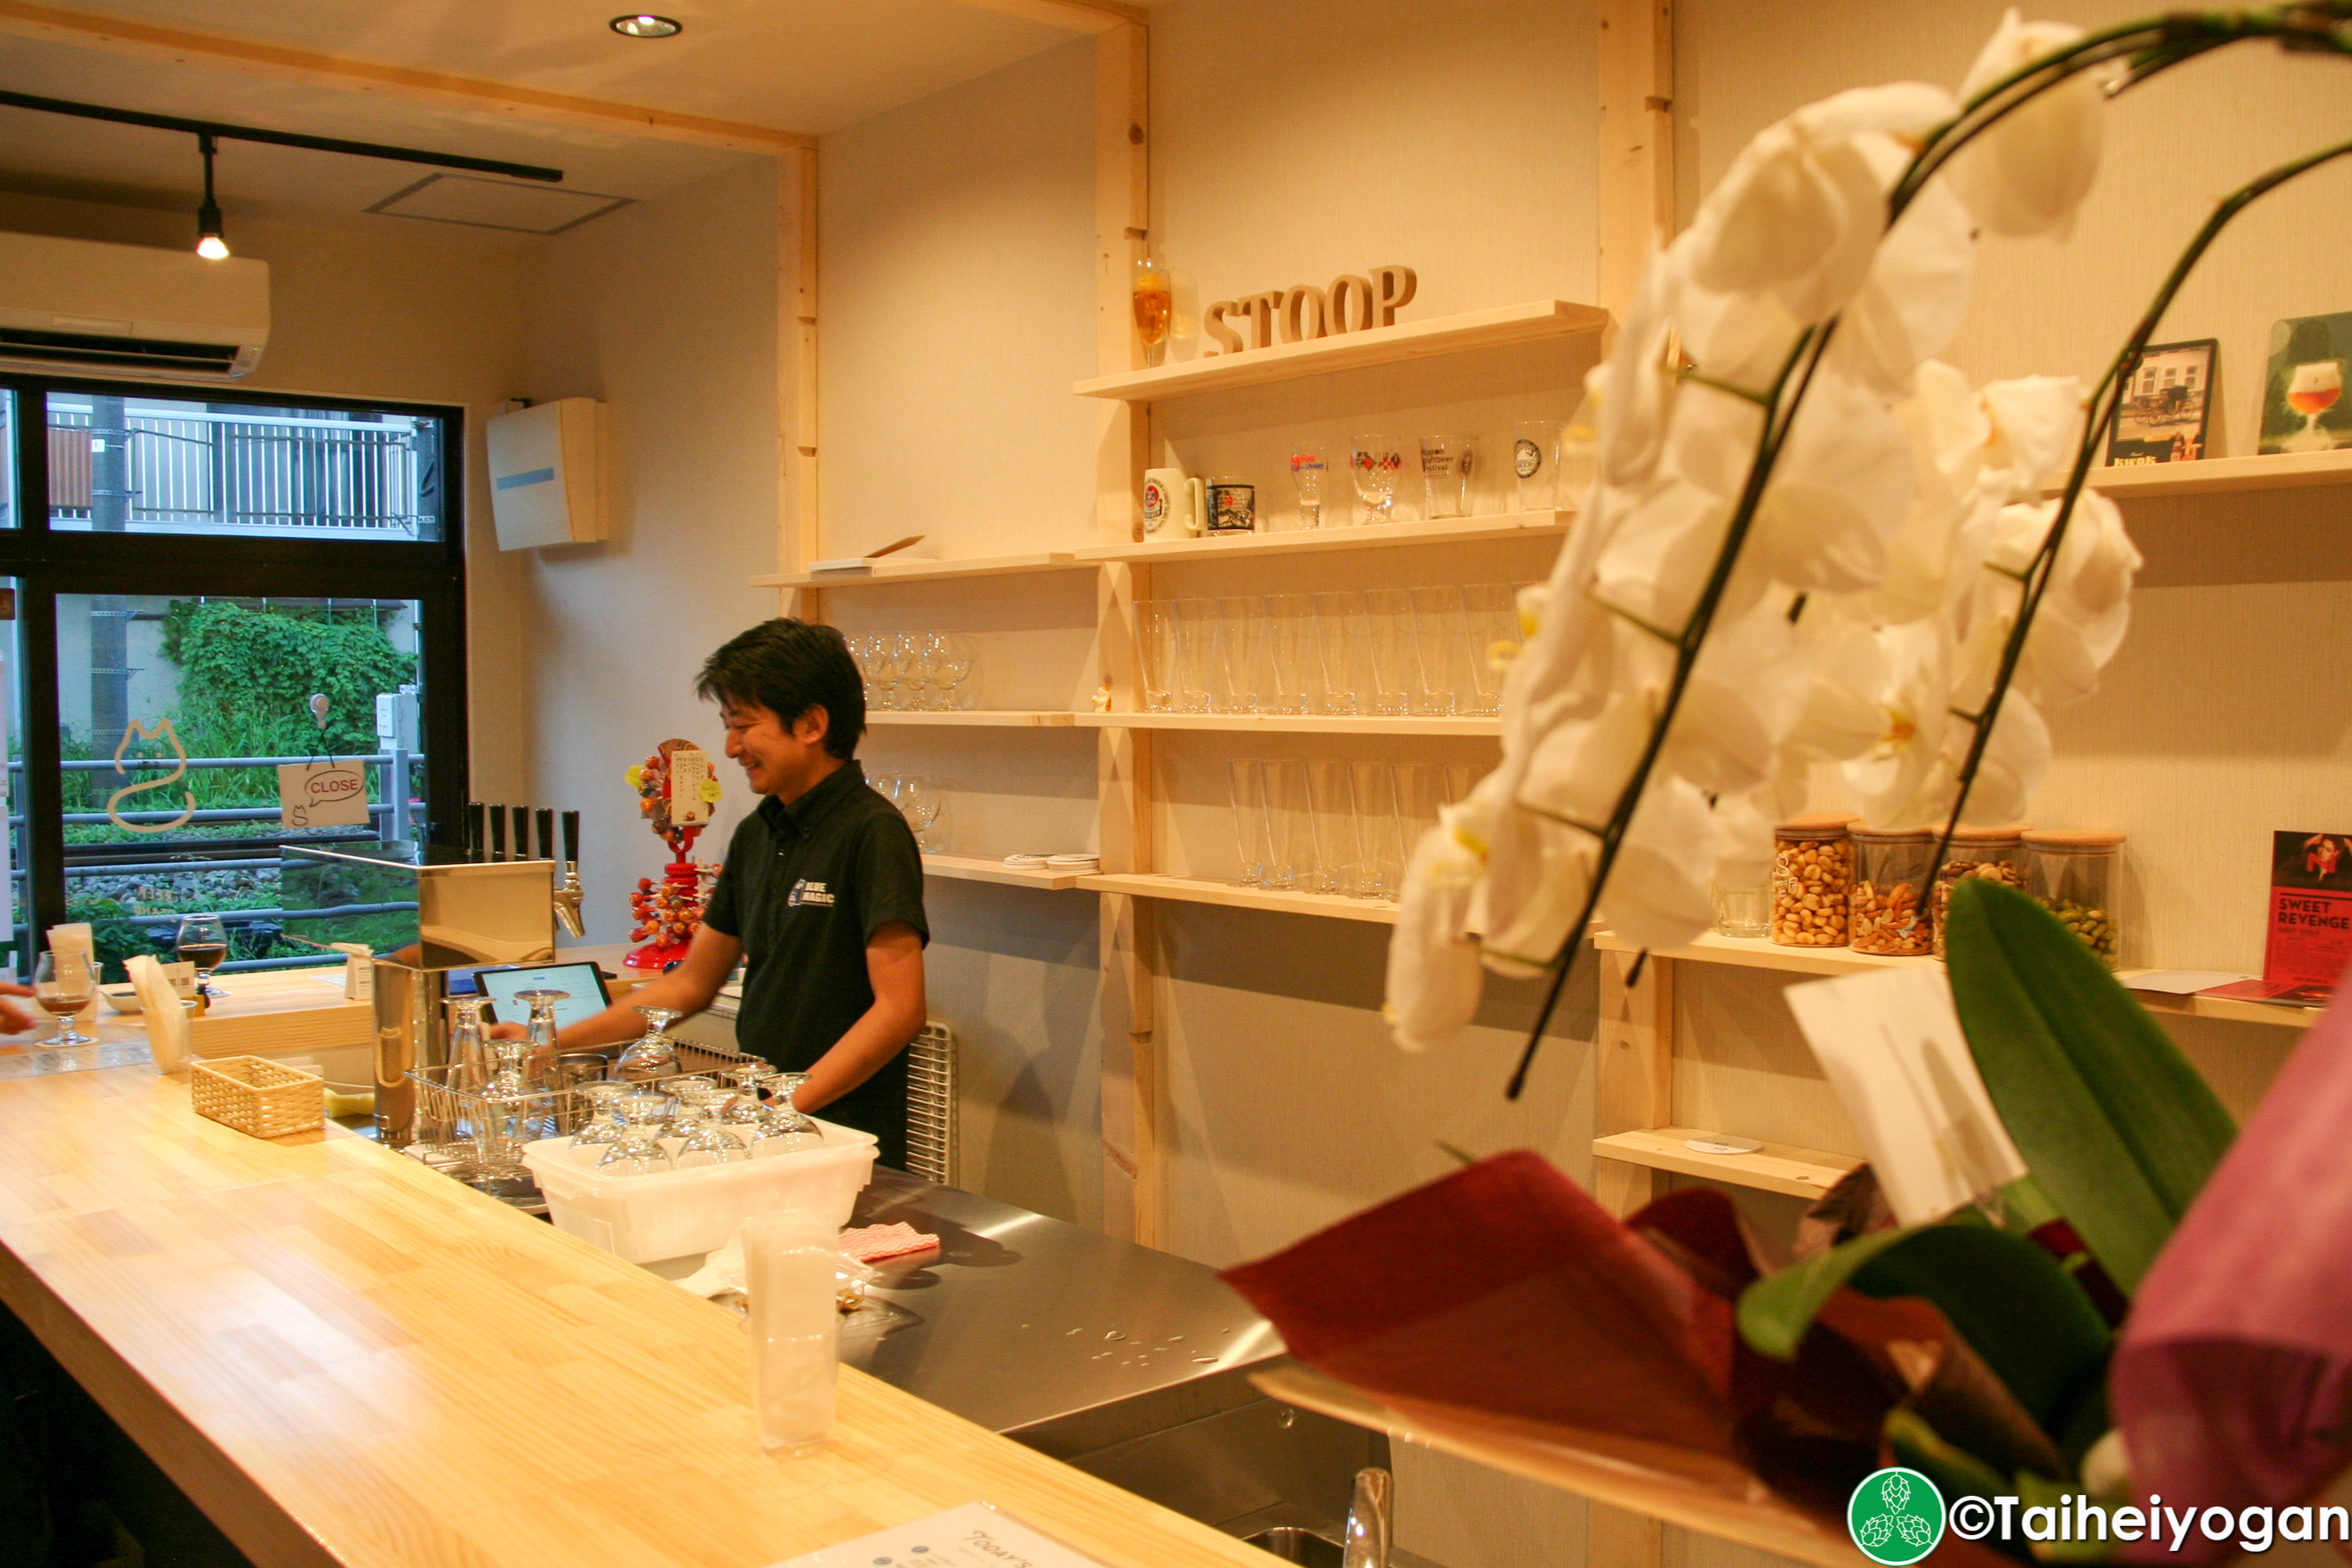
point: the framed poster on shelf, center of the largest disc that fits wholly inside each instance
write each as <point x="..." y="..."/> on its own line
<point x="2303" y="396"/>
<point x="2168" y="406"/>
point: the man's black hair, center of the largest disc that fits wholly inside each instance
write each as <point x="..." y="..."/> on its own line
<point x="789" y="666"/>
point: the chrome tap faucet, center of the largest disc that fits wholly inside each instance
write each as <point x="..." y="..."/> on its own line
<point x="1369" y="1521"/>
<point x="567" y="893"/>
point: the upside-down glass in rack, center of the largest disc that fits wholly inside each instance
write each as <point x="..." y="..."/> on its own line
<point x="652" y="1055"/>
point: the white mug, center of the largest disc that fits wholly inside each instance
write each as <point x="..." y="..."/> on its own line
<point x="1171" y="504"/>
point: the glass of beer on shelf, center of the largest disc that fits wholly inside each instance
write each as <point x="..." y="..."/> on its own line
<point x="63" y="985"/>
<point x="1155" y="300"/>
<point x="203" y="941"/>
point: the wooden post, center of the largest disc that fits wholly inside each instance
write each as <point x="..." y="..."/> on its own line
<point x="798" y="495"/>
<point x="1637" y="1034"/>
<point x="1637" y="140"/>
<point x="1131" y="1091"/>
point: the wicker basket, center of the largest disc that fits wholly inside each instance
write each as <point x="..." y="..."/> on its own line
<point x="255" y="1095"/>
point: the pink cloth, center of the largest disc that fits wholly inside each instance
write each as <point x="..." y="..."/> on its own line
<point x="873" y="1243"/>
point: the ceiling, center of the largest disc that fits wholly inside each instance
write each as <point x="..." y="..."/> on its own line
<point x="808" y="66"/>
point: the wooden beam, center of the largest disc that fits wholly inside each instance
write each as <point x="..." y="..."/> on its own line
<point x="798" y="499"/>
<point x="1637" y="140"/>
<point x="1122" y="237"/>
<point x="1079" y="15"/>
<point x="143" y="41"/>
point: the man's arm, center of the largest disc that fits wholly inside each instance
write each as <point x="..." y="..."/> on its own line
<point x="689" y="988"/>
<point x="893" y="967"/>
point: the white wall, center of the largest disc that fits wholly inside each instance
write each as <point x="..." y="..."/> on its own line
<point x="665" y="310"/>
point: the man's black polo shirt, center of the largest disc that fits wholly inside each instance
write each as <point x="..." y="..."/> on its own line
<point x="804" y="889"/>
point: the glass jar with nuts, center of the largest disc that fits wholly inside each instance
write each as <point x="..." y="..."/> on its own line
<point x="1812" y="870"/>
<point x="2074" y="875"/>
<point x="1995" y="854"/>
<point x="1888" y="908"/>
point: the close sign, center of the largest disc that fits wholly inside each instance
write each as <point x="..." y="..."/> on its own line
<point x="322" y="795"/>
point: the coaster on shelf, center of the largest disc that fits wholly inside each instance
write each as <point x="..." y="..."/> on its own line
<point x="1723" y="1144"/>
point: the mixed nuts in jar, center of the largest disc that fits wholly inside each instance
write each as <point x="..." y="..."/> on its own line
<point x="1995" y="854"/>
<point x="1813" y="871"/>
<point x="2073" y="877"/>
<point x="1887" y="910"/>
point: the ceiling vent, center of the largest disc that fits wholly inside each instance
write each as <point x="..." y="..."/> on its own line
<point x="515" y="206"/>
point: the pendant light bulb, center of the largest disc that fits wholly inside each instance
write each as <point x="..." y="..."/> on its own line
<point x="210" y="243"/>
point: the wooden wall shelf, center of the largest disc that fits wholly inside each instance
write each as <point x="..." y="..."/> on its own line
<point x="982" y="717"/>
<point x="1196" y="891"/>
<point x="1353" y="350"/>
<point x="980" y="868"/>
<point x="1310" y="541"/>
<point x="1757" y="953"/>
<point x="922" y="570"/>
<point x="1775" y="1168"/>
<point x="1289" y="723"/>
<point x="2222" y="476"/>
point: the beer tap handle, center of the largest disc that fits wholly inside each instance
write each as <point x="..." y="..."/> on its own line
<point x="572" y="843"/>
<point x="521" y="832"/>
<point x="546" y="819"/>
<point x="476" y="829"/>
<point x="497" y="833"/>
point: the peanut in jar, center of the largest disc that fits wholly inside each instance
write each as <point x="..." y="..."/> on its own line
<point x="1887" y="908"/>
<point x="2073" y="877"/>
<point x="1995" y="854"/>
<point x="1813" y="871"/>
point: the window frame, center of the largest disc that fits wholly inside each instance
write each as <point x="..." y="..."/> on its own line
<point x="47" y="561"/>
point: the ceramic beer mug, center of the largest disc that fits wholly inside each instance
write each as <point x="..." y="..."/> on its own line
<point x="1173" y="504"/>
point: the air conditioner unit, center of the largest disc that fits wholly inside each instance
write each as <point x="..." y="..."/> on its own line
<point x="130" y="310"/>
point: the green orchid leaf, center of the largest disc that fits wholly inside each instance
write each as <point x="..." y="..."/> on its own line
<point x="1776" y="1312"/>
<point x="2118" y="1129"/>
<point x="2010" y="1300"/>
<point x="1956" y="1472"/>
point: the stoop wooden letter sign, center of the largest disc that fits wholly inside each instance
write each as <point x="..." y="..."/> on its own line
<point x="1355" y="302"/>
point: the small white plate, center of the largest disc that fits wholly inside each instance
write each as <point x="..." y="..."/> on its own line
<point x="1723" y="1144"/>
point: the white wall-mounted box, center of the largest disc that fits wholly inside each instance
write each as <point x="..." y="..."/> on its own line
<point x="547" y="474"/>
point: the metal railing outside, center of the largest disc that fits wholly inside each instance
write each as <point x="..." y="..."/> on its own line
<point x="212" y="472"/>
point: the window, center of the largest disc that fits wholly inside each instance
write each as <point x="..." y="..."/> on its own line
<point x="190" y="572"/>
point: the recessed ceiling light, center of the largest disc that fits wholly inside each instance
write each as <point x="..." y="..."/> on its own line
<point x="645" y="25"/>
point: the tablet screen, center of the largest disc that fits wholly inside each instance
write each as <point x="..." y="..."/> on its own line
<point x="584" y="987"/>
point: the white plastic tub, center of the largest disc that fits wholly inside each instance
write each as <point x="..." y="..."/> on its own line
<point x="646" y="1219"/>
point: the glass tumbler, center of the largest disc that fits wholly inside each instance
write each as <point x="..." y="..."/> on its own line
<point x="1375" y="462"/>
<point x="794" y="1324"/>
<point x="1447" y="465"/>
<point x="1155" y="648"/>
<point x="1331" y="796"/>
<point x="1535" y="464"/>
<point x="1290" y="824"/>
<point x="1394" y="665"/>
<point x="1341" y="671"/>
<point x="1307" y="475"/>
<point x="1249" y="778"/>
<point x="1241" y="628"/>
<point x="1286" y="654"/>
<point x="1441" y="645"/>
<point x="1198" y="645"/>
<point x="1490" y="618"/>
<point x="1380" y="848"/>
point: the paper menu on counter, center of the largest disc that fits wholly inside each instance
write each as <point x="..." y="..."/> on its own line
<point x="976" y="1535"/>
<point x="1892" y="1046"/>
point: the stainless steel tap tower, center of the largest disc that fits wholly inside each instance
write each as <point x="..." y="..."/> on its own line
<point x="471" y="909"/>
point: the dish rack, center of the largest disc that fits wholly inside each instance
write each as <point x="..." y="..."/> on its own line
<point x="467" y="1134"/>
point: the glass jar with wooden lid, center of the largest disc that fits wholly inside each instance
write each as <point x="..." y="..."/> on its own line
<point x="1812" y="870"/>
<point x="1887" y="910"/>
<point x="1995" y="854"/>
<point x="2073" y="873"/>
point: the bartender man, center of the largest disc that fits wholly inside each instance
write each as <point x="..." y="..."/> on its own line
<point x="822" y="892"/>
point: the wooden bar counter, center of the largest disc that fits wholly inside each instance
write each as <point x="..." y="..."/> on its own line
<point x="343" y="1358"/>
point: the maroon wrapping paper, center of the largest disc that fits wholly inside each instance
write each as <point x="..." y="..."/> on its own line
<point x="2233" y="1385"/>
<point x="1505" y="1291"/>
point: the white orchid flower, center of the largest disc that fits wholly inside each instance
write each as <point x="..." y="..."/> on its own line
<point x="1657" y="895"/>
<point x="1743" y="838"/>
<point x="1840" y="715"/>
<point x="2084" y="611"/>
<point x="1800" y="212"/>
<point x="1660" y="553"/>
<point x="1916" y="295"/>
<point x="1949" y="431"/>
<point x="2028" y="174"/>
<point x="2037" y="428"/>
<point x="1746" y="690"/>
<point x="1537" y="881"/>
<point x="1634" y="390"/>
<point x="1915" y="702"/>
<point x="2016" y="761"/>
<point x="1433" y="976"/>
<point x="1843" y="486"/>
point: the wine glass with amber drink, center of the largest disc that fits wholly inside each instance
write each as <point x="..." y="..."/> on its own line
<point x="203" y="941"/>
<point x="2311" y="392"/>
